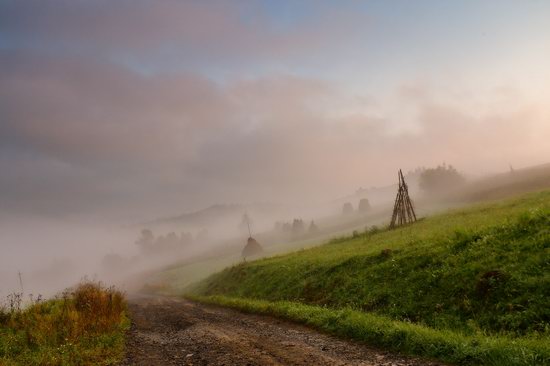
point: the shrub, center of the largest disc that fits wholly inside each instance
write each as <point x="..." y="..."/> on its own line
<point x="83" y="325"/>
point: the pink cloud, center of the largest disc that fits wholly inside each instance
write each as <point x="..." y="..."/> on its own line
<point x="110" y="135"/>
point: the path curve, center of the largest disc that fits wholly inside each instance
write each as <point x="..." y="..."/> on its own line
<point x="174" y="331"/>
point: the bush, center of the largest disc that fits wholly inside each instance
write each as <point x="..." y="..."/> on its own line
<point x="81" y="326"/>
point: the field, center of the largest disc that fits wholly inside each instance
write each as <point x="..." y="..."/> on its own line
<point x="84" y="326"/>
<point x="471" y="286"/>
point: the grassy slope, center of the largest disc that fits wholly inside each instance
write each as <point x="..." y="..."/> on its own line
<point x="434" y="276"/>
<point x="176" y="278"/>
<point x="85" y="327"/>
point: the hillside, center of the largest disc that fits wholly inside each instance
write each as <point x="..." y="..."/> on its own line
<point x="481" y="272"/>
<point x="506" y="184"/>
<point x="226" y="251"/>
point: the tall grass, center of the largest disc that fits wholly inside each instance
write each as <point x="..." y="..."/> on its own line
<point x="405" y="337"/>
<point x="84" y="325"/>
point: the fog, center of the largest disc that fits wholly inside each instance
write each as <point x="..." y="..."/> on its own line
<point x="184" y="116"/>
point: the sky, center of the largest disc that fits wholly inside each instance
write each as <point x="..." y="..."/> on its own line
<point x="138" y="109"/>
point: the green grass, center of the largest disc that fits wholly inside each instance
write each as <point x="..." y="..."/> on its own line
<point x="84" y="327"/>
<point x="400" y="336"/>
<point x="176" y="278"/>
<point x="481" y="273"/>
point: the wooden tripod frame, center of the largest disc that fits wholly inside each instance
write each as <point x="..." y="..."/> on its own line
<point x="403" y="210"/>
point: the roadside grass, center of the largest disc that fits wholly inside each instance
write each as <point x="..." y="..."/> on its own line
<point x="84" y="326"/>
<point x="405" y="337"/>
<point x="479" y="276"/>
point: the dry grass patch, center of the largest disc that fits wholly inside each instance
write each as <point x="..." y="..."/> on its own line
<point x="83" y="325"/>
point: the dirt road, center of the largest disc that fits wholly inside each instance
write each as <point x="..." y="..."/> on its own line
<point x="173" y="331"/>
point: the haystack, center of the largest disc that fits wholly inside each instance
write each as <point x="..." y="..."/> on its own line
<point x="252" y="248"/>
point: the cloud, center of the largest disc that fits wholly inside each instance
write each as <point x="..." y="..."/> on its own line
<point x="94" y="119"/>
<point x="170" y="33"/>
<point x="81" y="136"/>
<point x="91" y="126"/>
<point x="78" y="110"/>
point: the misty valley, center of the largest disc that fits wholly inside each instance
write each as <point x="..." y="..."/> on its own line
<point x="274" y="183"/>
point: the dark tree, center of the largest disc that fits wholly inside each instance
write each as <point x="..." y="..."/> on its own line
<point x="364" y="205"/>
<point x="442" y="178"/>
<point x="298" y="226"/>
<point x="313" y="229"/>
<point x="146" y="241"/>
<point x="347" y="209"/>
